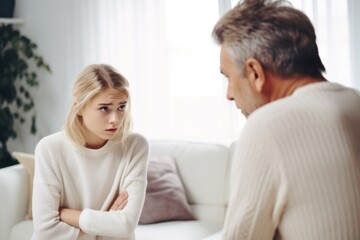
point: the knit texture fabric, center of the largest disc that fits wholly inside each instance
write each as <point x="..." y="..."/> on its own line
<point x="88" y="180"/>
<point x="296" y="169"/>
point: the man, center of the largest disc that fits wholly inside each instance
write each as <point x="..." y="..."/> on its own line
<point x="296" y="169"/>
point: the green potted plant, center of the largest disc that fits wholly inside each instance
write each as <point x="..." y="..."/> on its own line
<point x="18" y="65"/>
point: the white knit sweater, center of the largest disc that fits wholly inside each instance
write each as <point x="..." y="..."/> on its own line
<point x="88" y="180"/>
<point x="296" y="170"/>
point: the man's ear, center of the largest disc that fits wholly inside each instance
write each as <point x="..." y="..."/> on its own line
<point x="255" y="74"/>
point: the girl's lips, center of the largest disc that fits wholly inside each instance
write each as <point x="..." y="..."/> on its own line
<point x="111" y="130"/>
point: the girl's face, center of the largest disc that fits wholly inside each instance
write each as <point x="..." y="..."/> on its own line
<point x="103" y="116"/>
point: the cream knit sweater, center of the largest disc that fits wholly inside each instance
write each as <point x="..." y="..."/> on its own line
<point x="88" y="180"/>
<point x="296" y="170"/>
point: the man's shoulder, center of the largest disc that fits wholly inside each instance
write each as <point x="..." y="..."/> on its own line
<point x="314" y="102"/>
<point x="271" y="112"/>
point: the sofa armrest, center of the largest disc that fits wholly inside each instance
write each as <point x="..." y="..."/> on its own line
<point x="13" y="198"/>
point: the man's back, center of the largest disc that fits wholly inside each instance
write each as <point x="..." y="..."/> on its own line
<point x="303" y="176"/>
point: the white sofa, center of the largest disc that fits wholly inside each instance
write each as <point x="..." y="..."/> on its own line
<point x="204" y="171"/>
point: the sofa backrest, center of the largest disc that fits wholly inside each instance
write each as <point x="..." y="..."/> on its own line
<point x="204" y="171"/>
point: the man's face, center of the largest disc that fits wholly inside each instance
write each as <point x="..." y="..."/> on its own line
<point x="239" y="89"/>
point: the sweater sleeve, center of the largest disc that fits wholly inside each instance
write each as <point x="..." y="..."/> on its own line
<point x="122" y="223"/>
<point x="46" y="199"/>
<point x="256" y="198"/>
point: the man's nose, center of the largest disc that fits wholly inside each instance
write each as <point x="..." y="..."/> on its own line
<point x="229" y="94"/>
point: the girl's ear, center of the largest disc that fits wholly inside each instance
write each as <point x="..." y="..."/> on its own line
<point x="255" y="74"/>
<point x="80" y="112"/>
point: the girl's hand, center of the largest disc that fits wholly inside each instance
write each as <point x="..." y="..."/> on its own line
<point x="71" y="217"/>
<point x="120" y="202"/>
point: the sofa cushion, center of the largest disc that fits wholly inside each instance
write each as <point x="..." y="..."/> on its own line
<point x="22" y="230"/>
<point x="215" y="236"/>
<point x="174" y="230"/>
<point x="165" y="198"/>
<point x="203" y="169"/>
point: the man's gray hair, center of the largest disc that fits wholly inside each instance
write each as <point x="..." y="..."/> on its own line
<point x="279" y="36"/>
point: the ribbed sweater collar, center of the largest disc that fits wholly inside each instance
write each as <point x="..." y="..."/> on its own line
<point x="320" y="86"/>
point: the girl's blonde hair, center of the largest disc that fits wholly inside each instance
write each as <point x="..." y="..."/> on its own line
<point x="92" y="80"/>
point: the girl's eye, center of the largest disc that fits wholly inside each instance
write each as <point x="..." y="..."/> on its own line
<point x="122" y="107"/>
<point x="104" y="109"/>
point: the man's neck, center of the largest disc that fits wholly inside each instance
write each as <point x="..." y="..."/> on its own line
<point x="286" y="87"/>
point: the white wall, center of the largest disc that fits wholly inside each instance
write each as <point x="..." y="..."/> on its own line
<point x="48" y="24"/>
<point x="354" y="29"/>
<point x="53" y="25"/>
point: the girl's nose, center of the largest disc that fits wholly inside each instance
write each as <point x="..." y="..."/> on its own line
<point x="114" y="118"/>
